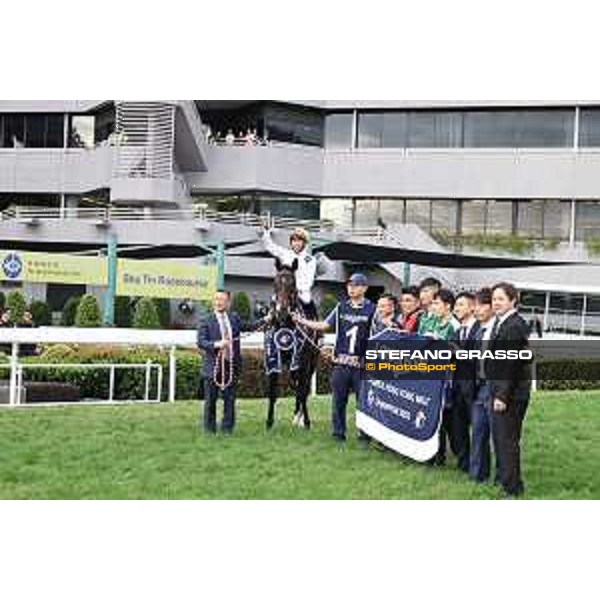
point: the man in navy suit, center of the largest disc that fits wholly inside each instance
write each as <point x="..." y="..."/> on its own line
<point x="462" y="394"/>
<point x="219" y="339"/>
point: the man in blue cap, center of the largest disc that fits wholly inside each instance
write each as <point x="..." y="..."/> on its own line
<point x="352" y="319"/>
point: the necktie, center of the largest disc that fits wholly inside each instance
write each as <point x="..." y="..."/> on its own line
<point x="495" y="329"/>
<point x="463" y="333"/>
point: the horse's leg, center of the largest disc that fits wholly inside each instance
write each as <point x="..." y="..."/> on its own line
<point x="272" y="392"/>
<point x="294" y="384"/>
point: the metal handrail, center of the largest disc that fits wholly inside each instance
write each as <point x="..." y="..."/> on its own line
<point x="142" y="213"/>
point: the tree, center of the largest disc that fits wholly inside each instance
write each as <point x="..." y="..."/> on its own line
<point x="163" y="307"/>
<point x="40" y="313"/>
<point x="15" y="302"/>
<point x="328" y="303"/>
<point x="146" y="315"/>
<point x="123" y="311"/>
<point x="69" y="311"/>
<point x="241" y="305"/>
<point x="88" y="312"/>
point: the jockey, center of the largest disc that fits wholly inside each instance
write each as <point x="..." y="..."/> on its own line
<point x="307" y="265"/>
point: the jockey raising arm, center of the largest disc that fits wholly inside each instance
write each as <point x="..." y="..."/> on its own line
<point x="307" y="264"/>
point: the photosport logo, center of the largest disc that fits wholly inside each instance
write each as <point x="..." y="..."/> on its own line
<point x="12" y="266"/>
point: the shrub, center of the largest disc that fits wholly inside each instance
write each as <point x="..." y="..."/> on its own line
<point x="88" y="312"/>
<point x="163" y="308"/>
<point x="69" y="311"/>
<point x="241" y="305"/>
<point x="580" y="374"/>
<point x="41" y="313"/>
<point x="15" y="302"/>
<point x="57" y="352"/>
<point x="146" y="315"/>
<point x="123" y="311"/>
<point x="328" y="303"/>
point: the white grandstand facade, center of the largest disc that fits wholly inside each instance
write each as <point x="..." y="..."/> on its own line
<point x="474" y="177"/>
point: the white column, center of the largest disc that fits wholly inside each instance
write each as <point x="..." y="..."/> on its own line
<point x="573" y="221"/>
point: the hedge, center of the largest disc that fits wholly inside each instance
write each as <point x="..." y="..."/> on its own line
<point x="129" y="384"/>
<point x="145" y="315"/>
<point x="581" y="374"/>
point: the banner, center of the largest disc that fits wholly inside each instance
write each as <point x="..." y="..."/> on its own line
<point x="166" y="279"/>
<point x="39" y="267"/>
<point x="151" y="278"/>
<point x="404" y="412"/>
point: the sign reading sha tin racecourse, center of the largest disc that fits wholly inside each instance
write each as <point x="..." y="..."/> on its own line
<point x="153" y="278"/>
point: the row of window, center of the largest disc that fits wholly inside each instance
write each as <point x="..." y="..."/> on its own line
<point x="530" y="128"/>
<point x="39" y="130"/>
<point x="539" y="219"/>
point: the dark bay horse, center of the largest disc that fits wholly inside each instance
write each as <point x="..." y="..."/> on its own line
<point x="289" y="346"/>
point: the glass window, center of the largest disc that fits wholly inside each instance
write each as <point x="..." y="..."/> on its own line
<point x="530" y="218"/>
<point x="293" y="125"/>
<point x="35" y="130"/>
<point x="370" y="130"/>
<point x="473" y="216"/>
<point x="392" y="211"/>
<point x="14" y="131"/>
<point x="366" y="213"/>
<point x="545" y="128"/>
<point x="587" y="220"/>
<point x="338" y="130"/>
<point x="499" y="217"/>
<point x="593" y="304"/>
<point x="421" y="130"/>
<point x="519" y="129"/>
<point x="394" y="130"/>
<point x="566" y="302"/>
<point x="531" y="299"/>
<point x="443" y="216"/>
<point x="104" y="124"/>
<point x="55" y="131"/>
<point x="589" y="127"/>
<point x="81" y="131"/>
<point x="418" y="212"/>
<point x="489" y="129"/>
<point x="557" y="219"/>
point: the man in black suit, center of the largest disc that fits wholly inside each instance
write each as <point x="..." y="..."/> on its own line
<point x="219" y="339"/>
<point x="509" y="382"/>
<point x="463" y="388"/>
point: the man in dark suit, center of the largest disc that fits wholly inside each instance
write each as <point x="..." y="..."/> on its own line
<point x="463" y="389"/>
<point x="219" y="339"/>
<point x="510" y="382"/>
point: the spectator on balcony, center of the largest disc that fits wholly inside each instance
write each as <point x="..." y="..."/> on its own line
<point x="230" y="138"/>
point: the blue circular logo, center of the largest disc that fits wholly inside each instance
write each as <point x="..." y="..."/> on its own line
<point x="284" y="339"/>
<point x="12" y="265"/>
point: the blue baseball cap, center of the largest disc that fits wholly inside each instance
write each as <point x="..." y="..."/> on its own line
<point x="359" y="279"/>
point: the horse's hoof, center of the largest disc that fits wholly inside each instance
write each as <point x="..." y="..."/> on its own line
<point x="269" y="425"/>
<point x="296" y="420"/>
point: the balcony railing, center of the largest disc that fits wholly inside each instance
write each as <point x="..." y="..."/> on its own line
<point x="196" y="213"/>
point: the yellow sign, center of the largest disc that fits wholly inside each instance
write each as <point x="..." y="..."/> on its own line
<point x="37" y="267"/>
<point x="153" y="278"/>
<point x="166" y="279"/>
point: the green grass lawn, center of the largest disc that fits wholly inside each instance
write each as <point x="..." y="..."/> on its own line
<point x="156" y="452"/>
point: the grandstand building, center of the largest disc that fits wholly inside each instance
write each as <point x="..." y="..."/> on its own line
<point x="520" y="178"/>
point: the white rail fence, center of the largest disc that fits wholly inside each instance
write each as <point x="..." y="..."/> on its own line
<point x="165" y="339"/>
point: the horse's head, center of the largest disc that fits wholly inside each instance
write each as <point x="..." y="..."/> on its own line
<point x="285" y="288"/>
